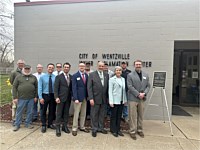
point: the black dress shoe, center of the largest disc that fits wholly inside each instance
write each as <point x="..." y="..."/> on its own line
<point x="85" y="130"/>
<point x="65" y="129"/>
<point x="115" y="134"/>
<point x="120" y="133"/>
<point x="133" y="136"/>
<point x="43" y="130"/>
<point x="52" y="126"/>
<point x="141" y="134"/>
<point x="94" y="134"/>
<point x="34" y="120"/>
<point x="104" y="131"/>
<point x="74" y="133"/>
<point x="58" y="133"/>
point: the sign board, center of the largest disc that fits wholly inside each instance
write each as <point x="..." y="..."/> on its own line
<point x="159" y="78"/>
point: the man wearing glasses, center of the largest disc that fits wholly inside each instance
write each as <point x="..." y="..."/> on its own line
<point x="58" y="69"/>
<point x="138" y="87"/>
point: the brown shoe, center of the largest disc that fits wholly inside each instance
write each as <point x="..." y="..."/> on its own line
<point x="85" y="130"/>
<point x="141" y="134"/>
<point x="74" y="133"/>
<point x="133" y="136"/>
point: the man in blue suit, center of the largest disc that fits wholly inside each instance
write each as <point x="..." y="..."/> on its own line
<point x="79" y="90"/>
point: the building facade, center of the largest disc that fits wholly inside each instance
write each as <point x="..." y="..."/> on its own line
<point x="159" y="32"/>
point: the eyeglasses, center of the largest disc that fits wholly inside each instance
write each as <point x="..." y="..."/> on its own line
<point x="58" y="66"/>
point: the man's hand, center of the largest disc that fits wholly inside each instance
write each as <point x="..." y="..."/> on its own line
<point x="76" y="101"/>
<point x="42" y="101"/>
<point x="35" y="100"/>
<point x="141" y="96"/>
<point x="125" y="104"/>
<point x="15" y="101"/>
<point x="57" y="100"/>
<point x="92" y="102"/>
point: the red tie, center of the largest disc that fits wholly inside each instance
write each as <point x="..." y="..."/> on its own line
<point x="83" y="77"/>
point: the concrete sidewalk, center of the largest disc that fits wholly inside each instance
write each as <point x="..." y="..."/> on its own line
<point x="157" y="137"/>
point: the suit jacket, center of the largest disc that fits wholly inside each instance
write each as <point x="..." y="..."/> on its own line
<point x="124" y="74"/>
<point x="61" y="88"/>
<point x="96" y="90"/>
<point x="135" y="86"/>
<point x="117" y="92"/>
<point x="79" y="89"/>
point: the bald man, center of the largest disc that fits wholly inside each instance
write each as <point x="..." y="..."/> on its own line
<point x="79" y="90"/>
<point x="38" y="74"/>
<point x="98" y="93"/>
<point x="18" y="71"/>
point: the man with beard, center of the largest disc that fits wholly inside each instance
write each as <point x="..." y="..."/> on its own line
<point x="125" y="72"/>
<point x="138" y="87"/>
<point x="25" y="89"/>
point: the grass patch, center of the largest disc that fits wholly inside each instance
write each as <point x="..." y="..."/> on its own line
<point x="5" y="90"/>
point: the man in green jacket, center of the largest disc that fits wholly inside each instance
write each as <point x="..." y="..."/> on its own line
<point x="18" y="71"/>
<point x="25" y="89"/>
<point x="13" y="75"/>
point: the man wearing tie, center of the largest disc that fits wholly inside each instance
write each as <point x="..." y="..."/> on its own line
<point x="46" y="96"/>
<point x="79" y="88"/>
<point x="62" y="94"/>
<point x="98" y="93"/>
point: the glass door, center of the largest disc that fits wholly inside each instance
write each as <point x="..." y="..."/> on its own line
<point x="189" y="78"/>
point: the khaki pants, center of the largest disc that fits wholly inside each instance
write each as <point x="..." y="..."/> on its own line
<point x="136" y="111"/>
<point x="79" y="108"/>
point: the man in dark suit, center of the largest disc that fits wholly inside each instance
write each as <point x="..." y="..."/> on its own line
<point x="79" y="88"/>
<point x="138" y="88"/>
<point x="62" y="94"/>
<point x="98" y="93"/>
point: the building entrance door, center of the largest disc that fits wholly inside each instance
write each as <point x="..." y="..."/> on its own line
<point x="186" y="87"/>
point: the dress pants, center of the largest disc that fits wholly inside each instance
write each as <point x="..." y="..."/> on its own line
<point x="79" y="108"/>
<point x="48" y="101"/>
<point x="115" y="119"/>
<point x="62" y="112"/>
<point x="88" y="108"/>
<point x="97" y="117"/>
<point x="136" y="112"/>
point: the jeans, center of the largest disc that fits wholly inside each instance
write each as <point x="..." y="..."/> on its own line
<point x="125" y="112"/>
<point x="21" y="105"/>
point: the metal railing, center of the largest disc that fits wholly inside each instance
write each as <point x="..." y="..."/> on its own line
<point x="4" y="70"/>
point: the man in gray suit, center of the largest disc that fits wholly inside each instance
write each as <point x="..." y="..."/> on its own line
<point x="138" y="87"/>
<point x="98" y="93"/>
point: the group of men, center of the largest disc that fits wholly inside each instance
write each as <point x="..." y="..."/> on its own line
<point x="86" y="88"/>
